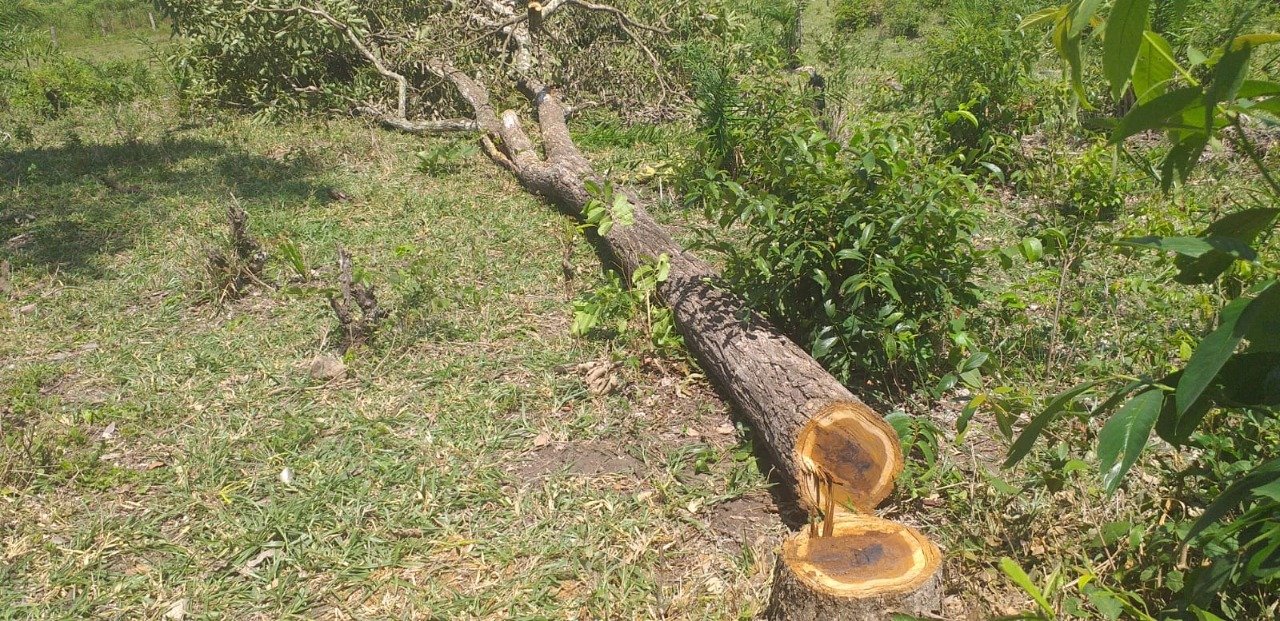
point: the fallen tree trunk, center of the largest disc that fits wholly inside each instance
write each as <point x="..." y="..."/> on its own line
<point x="839" y="455"/>
<point x="814" y="428"/>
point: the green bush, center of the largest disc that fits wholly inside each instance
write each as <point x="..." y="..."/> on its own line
<point x="976" y="78"/>
<point x="858" y="14"/>
<point x="862" y="253"/>
<point x="63" y="82"/>
<point x="904" y="18"/>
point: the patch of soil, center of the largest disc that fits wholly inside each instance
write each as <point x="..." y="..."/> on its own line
<point x="743" y="519"/>
<point x="588" y="460"/>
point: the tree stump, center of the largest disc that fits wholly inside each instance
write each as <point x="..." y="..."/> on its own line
<point x="866" y="569"/>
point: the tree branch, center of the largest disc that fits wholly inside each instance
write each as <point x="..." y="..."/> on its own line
<point x="402" y="83"/>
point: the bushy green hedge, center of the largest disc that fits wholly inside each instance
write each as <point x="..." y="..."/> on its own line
<point x="860" y="252"/>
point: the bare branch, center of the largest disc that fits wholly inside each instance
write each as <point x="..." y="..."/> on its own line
<point x="622" y="16"/>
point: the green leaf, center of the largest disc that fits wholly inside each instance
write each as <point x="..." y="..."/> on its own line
<point x="1069" y="49"/>
<point x="1084" y="12"/>
<point x="1174" y="428"/>
<point x="1042" y="17"/>
<point x="1228" y="76"/>
<point x="1121" y="40"/>
<point x="1243" y="225"/>
<point x="1019" y="577"/>
<point x="1236" y="494"/>
<point x="1155" y="113"/>
<point x="1125" y="435"/>
<point x="966" y="415"/>
<point x="1032" y="249"/>
<point x="1250" y="89"/>
<point x="1254" y="40"/>
<point x="1027" y="438"/>
<point x="1251" y="379"/>
<point x="1154" y="68"/>
<point x="901" y="423"/>
<point x="822" y="346"/>
<point x="1214" y="351"/>
<point x="1194" y="246"/>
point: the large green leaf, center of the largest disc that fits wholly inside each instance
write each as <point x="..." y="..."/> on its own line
<point x="1228" y="77"/>
<point x="1174" y="428"/>
<point x="1068" y="47"/>
<point x="1014" y="571"/>
<point x="1155" y="113"/>
<point x="1243" y="225"/>
<point x="1257" y="88"/>
<point x="1121" y="40"/>
<point x="1125" y="435"/>
<point x="1194" y="246"/>
<point x="1236" y="494"/>
<point x="1042" y="17"/>
<point x="1027" y="438"/>
<point x="1251" y="379"/>
<point x="1154" y="68"/>
<point x="1213" y="352"/>
<point x="1254" y="40"/>
<point x="1083" y="13"/>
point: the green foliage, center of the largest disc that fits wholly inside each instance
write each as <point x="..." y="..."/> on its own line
<point x="63" y="82"/>
<point x="976" y="79"/>
<point x="606" y="208"/>
<point x="1195" y="99"/>
<point x="899" y="18"/>
<point x="444" y="157"/>
<point x="613" y="310"/>
<point x="857" y="14"/>
<point x="862" y="252"/>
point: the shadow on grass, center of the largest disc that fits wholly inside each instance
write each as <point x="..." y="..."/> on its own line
<point x="66" y="207"/>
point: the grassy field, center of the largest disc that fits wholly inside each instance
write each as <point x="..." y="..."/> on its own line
<point x="461" y="469"/>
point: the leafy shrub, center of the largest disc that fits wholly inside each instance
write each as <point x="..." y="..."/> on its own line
<point x="63" y="82"/>
<point x="630" y="313"/>
<point x="858" y="14"/>
<point x="861" y="253"/>
<point x="976" y="79"/>
<point x="904" y="18"/>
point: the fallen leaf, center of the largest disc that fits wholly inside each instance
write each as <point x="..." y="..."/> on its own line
<point x="177" y="610"/>
<point x="327" y="367"/>
<point x="726" y="429"/>
<point x="261" y="558"/>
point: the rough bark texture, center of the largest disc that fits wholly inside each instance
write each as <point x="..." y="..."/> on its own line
<point x="793" y="600"/>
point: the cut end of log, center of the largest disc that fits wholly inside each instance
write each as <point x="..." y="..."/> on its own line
<point x="864" y="557"/>
<point x="867" y="569"/>
<point x="852" y="457"/>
